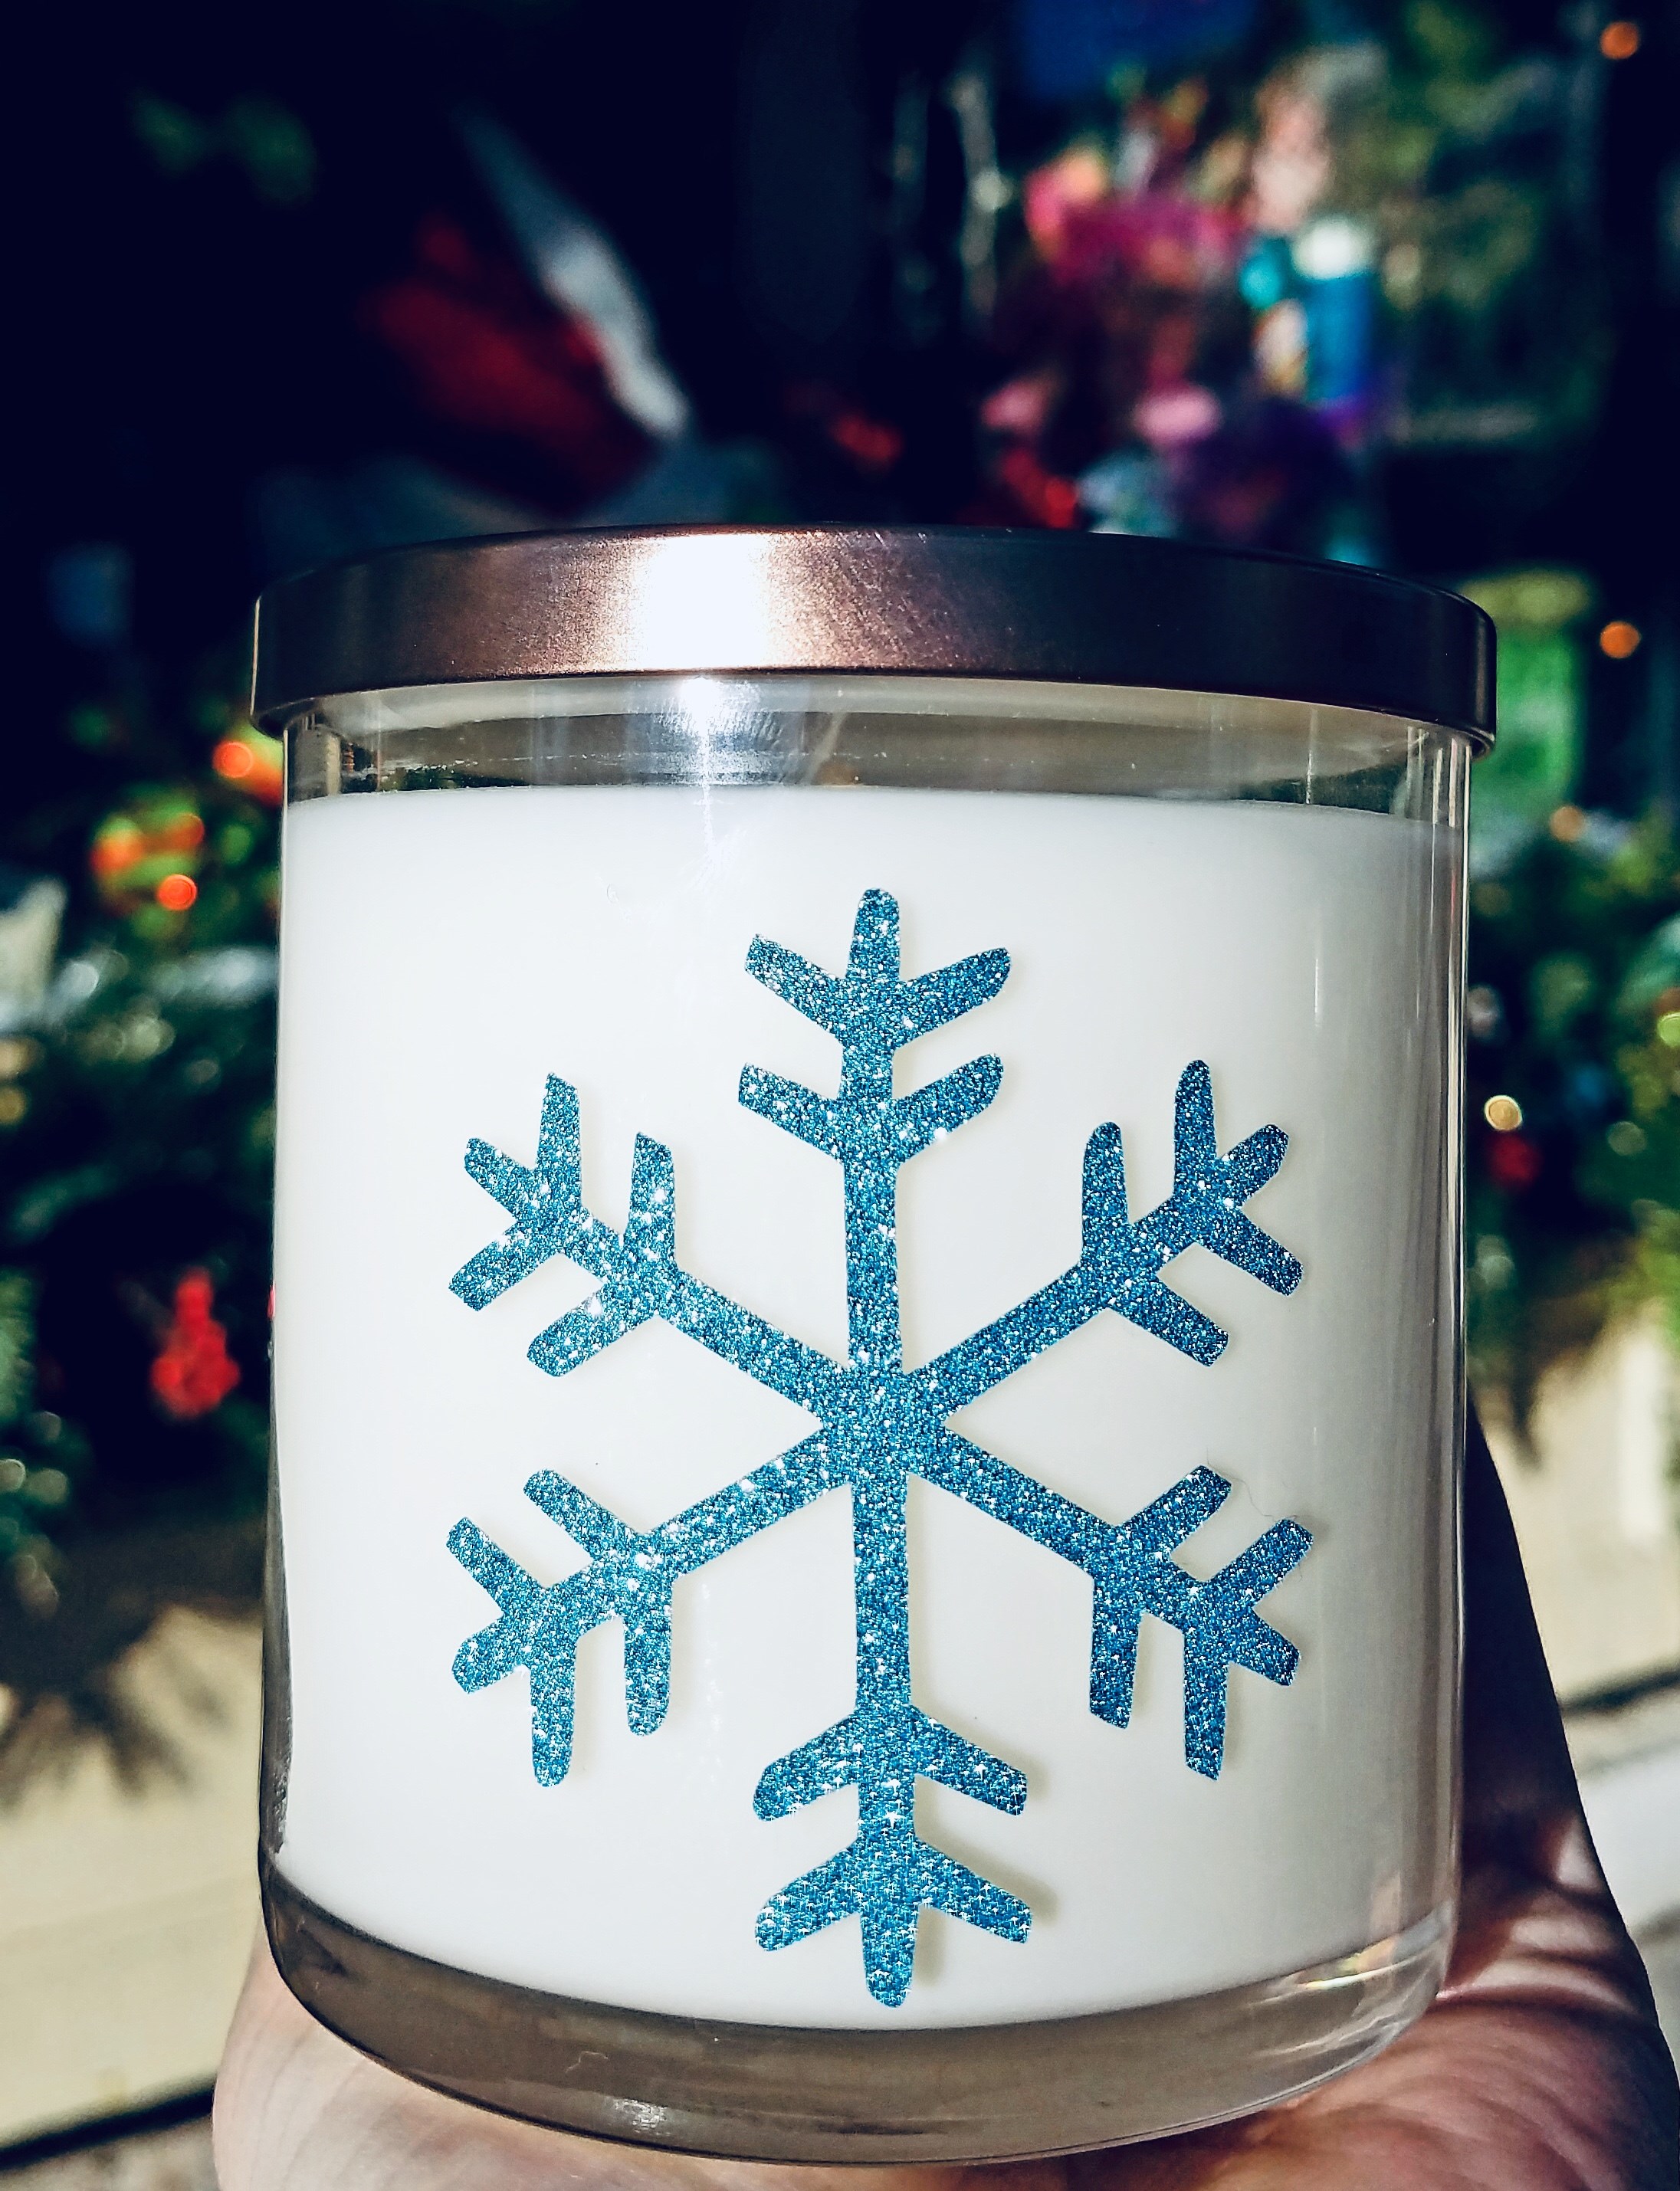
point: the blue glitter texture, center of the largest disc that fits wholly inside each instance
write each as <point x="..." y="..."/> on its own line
<point x="880" y="1424"/>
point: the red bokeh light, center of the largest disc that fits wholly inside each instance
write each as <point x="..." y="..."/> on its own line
<point x="1513" y="1161"/>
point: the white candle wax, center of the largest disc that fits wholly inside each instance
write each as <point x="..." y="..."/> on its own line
<point x="444" y="952"/>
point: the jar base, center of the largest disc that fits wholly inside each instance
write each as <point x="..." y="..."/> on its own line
<point x="759" y="2092"/>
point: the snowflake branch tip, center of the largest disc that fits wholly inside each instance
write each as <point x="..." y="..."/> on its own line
<point x="813" y="994"/>
<point x="1120" y="1260"/>
<point x="1226" y="1631"/>
<point x="887" y="1880"/>
<point x="639" y="1265"/>
<point x="544" y="1202"/>
<point x="943" y="1105"/>
<point x="494" y="1651"/>
<point x="934" y="1000"/>
<point x="628" y="1579"/>
<point x="1209" y="1189"/>
<point x="585" y="1519"/>
<point x="1132" y="1572"/>
<point x="796" y="1110"/>
<point x="870" y="1005"/>
<point x="539" y="1630"/>
<point x="888" y="1874"/>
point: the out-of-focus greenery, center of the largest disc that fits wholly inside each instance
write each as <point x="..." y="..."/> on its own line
<point x="136" y="1145"/>
<point x="1446" y="142"/>
<point x="1574" y="1214"/>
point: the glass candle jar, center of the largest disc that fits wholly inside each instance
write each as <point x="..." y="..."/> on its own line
<point x="866" y="1338"/>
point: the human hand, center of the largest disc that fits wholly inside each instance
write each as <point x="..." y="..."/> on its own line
<point x="1540" y="2067"/>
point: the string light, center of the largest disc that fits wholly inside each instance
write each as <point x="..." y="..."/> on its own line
<point x="233" y="759"/>
<point x="1619" y="639"/>
<point x="254" y="761"/>
<point x="175" y="893"/>
<point x="1504" y="1113"/>
<point x="1567" y="823"/>
<point x="1619" y="41"/>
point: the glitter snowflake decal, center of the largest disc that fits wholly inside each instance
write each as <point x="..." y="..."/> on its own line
<point x="880" y="1423"/>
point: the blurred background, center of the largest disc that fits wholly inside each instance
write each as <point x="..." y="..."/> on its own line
<point x="1396" y="282"/>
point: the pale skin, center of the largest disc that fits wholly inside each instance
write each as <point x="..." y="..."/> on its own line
<point x="1540" y="2067"/>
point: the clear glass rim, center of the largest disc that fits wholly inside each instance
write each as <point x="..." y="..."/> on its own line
<point x="759" y="2092"/>
<point x="995" y="699"/>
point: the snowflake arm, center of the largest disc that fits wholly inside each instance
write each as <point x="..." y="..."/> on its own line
<point x="540" y="1628"/>
<point x="1226" y="1631"/>
<point x="887" y="1873"/>
<point x="873" y="1013"/>
<point x="628" y="1577"/>
<point x="544" y="1203"/>
<point x="1120" y="1261"/>
<point x="886" y="1877"/>
<point x="1133" y="1572"/>
<point x="642" y="1278"/>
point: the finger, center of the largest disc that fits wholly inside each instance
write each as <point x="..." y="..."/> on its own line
<point x="297" y="2110"/>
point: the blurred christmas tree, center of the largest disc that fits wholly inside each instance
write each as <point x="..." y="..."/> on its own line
<point x="1574" y="1087"/>
<point x="136" y="1134"/>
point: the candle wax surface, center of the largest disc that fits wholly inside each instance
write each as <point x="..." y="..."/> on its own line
<point x="445" y="951"/>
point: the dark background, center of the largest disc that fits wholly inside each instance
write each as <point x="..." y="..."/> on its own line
<point x="258" y="290"/>
<point x="179" y="337"/>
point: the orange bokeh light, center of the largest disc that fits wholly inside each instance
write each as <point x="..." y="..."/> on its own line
<point x="175" y="893"/>
<point x="1618" y="640"/>
<point x="115" y="848"/>
<point x="1619" y="42"/>
<point x="233" y="758"/>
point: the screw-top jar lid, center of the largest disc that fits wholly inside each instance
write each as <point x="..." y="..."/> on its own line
<point x="1070" y="608"/>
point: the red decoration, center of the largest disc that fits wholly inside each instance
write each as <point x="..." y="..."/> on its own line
<point x="488" y="356"/>
<point x="1513" y="1161"/>
<point x="195" y="1373"/>
<point x="1046" y="498"/>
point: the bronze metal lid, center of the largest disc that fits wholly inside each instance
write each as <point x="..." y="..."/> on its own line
<point x="1069" y="608"/>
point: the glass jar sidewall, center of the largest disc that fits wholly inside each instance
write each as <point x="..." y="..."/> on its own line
<point x="1425" y="786"/>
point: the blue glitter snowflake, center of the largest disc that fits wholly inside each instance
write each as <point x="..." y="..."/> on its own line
<point x="880" y="1423"/>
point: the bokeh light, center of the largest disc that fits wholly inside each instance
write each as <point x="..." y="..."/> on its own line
<point x="233" y="759"/>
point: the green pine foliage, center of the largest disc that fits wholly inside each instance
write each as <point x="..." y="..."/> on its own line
<point x="1574" y="1214"/>
<point x="136" y="1148"/>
